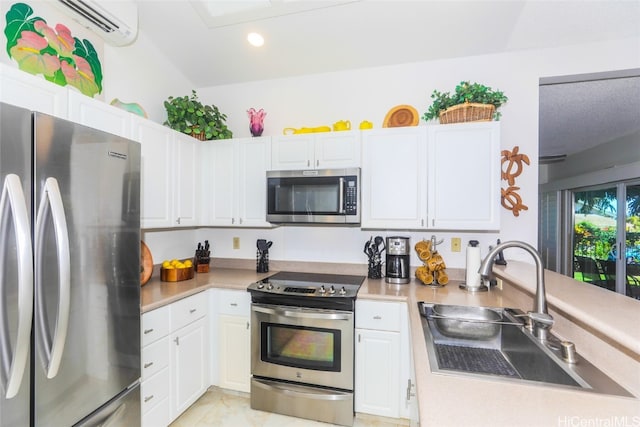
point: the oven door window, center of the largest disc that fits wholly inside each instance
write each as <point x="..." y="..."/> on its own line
<point x="301" y="347"/>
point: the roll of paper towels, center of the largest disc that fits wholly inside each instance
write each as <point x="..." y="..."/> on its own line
<point x="473" y="265"/>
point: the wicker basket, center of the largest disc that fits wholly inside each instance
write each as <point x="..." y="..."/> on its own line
<point x="467" y="112"/>
<point x="199" y="136"/>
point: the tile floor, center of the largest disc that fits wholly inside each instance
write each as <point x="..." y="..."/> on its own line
<point x="221" y="408"/>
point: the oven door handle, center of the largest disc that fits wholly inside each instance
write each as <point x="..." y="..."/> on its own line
<point x="294" y="391"/>
<point x="307" y="314"/>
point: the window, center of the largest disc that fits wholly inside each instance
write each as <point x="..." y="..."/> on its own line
<point x="605" y="236"/>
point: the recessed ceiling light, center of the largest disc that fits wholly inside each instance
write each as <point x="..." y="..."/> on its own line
<point x="255" y="39"/>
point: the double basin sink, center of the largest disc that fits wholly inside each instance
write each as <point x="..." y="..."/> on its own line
<point x="495" y="343"/>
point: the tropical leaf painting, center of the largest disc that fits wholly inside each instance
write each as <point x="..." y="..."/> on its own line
<point x="52" y="51"/>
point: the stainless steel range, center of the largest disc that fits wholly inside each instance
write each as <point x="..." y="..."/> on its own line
<point x="302" y="345"/>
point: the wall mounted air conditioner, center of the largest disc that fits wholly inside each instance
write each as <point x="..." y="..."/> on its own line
<point x="115" y="21"/>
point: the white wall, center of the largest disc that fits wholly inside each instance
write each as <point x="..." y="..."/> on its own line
<point x="139" y="73"/>
<point x="368" y="94"/>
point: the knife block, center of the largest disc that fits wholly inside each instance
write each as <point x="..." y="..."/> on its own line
<point x="202" y="264"/>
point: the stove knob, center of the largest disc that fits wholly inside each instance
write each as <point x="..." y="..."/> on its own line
<point x="269" y="287"/>
<point x="322" y="290"/>
<point x="343" y="291"/>
<point x="332" y="290"/>
<point x="260" y="285"/>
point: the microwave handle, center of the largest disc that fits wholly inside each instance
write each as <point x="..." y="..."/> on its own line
<point x="341" y="209"/>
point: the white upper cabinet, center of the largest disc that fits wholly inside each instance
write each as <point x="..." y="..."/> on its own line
<point x="32" y="92"/>
<point x="187" y="180"/>
<point x="394" y="184"/>
<point x="444" y="177"/>
<point x="324" y="150"/>
<point x="464" y="176"/>
<point x="170" y="176"/>
<point x="99" y="115"/>
<point x="235" y="172"/>
<point x="156" y="179"/>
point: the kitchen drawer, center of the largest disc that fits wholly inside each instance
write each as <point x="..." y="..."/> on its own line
<point x="233" y="303"/>
<point x="154" y="390"/>
<point x="381" y="316"/>
<point x="155" y="357"/>
<point x="188" y="310"/>
<point x="155" y="325"/>
<point x="157" y="416"/>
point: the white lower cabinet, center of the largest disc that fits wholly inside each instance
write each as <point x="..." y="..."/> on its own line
<point x="189" y="363"/>
<point x="175" y="359"/>
<point x="384" y="383"/>
<point x="235" y="352"/>
<point x="231" y="339"/>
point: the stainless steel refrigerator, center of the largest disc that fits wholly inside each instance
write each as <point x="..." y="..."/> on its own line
<point x="70" y="274"/>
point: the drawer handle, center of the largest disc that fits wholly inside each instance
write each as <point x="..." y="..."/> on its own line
<point x="377" y="317"/>
<point x="148" y="331"/>
<point x="193" y="310"/>
<point x="146" y="365"/>
<point x="234" y="304"/>
<point x="148" y="398"/>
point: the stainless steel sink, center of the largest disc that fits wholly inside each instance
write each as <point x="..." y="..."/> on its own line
<point x="495" y="343"/>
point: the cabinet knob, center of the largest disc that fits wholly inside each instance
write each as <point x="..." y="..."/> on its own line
<point x="377" y="317"/>
<point x="148" y="398"/>
<point x="233" y="304"/>
<point x="248" y="326"/>
<point x="193" y="310"/>
<point x="178" y="220"/>
<point x="148" y="331"/>
<point x="146" y="365"/>
<point x="177" y="340"/>
<point x="233" y="221"/>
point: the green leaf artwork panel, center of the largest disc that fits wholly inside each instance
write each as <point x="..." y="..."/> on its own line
<point x="52" y="51"/>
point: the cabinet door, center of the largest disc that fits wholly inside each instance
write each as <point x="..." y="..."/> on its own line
<point x="24" y="90"/>
<point x="377" y="373"/>
<point x="464" y="176"/>
<point x="294" y="152"/>
<point x="189" y="374"/>
<point x="187" y="180"/>
<point x="99" y="115"/>
<point x="219" y="197"/>
<point x="253" y="162"/>
<point x="234" y="352"/>
<point x="337" y="150"/>
<point x="156" y="184"/>
<point x="394" y="178"/>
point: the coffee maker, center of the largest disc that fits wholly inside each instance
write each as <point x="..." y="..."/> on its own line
<point x="397" y="270"/>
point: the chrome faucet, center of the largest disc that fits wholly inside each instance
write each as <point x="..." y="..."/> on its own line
<point x="540" y="321"/>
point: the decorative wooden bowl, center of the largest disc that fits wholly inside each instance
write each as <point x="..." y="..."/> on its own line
<point x="176" y="274"/>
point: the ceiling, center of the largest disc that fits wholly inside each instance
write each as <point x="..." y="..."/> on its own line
<point x="308" y="36"/>
<point x="581" y="112"/>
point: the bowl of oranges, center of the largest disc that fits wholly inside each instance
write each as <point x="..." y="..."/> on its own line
<point x="176" y="270"/>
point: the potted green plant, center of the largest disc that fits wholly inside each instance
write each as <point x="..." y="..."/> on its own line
<point x="470" y="102"/>
<point x="188" y="115"/>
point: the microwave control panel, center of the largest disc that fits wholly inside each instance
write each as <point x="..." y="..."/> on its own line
<point x="351" y="196"/>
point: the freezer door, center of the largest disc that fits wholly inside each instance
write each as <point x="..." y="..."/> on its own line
<point x="122" y="411"/>
<point x="16" y="265"/>
<point x="87" y="269"/>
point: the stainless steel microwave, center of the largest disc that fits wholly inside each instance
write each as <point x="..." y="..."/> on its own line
<point x="320" y="196"/>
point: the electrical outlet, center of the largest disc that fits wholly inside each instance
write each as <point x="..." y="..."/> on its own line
<point x="455" y="244"/>
<point x="236" y="243"/>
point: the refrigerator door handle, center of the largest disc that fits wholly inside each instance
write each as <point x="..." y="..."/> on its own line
<point x="14" y="365"/>
<point x="52" y="350"/>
